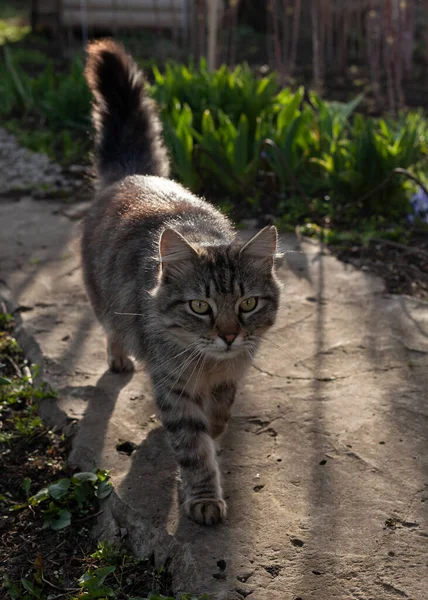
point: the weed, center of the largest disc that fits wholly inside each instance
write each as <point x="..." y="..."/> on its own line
<point x="6" y="320"/>
<point x="75" y="496"/>
<point x="18" y="394"/>
<point x="117" y="573"/>
<point x="111" y="573"/>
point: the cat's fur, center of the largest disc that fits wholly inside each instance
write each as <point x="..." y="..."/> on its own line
<point x="149" y="248"/>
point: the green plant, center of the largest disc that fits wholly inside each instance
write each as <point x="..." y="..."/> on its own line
<point x="75" y="496"/>
<point x="114" y="573"/>
<point x="48" y="111"/>
<point x="18" y="394"/>
<point x="11" y="30"/>
<point x="216" y="125"/>
<point x="323" y="163"/>
<point x="233" y="92"/>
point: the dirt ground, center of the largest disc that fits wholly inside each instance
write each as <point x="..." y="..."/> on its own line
<point x="404" y="269"/>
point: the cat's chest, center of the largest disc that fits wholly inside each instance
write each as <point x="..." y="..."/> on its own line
<point x="215" y="375"/>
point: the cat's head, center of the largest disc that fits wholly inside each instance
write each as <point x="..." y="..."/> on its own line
<point x="219" y="300"/>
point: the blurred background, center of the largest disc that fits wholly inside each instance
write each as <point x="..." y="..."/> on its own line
<point x="379" y="46"/>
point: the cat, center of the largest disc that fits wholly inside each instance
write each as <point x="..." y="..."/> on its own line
<point x="168" y="279"/>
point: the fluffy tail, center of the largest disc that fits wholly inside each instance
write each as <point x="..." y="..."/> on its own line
<point x="128" y="130"/>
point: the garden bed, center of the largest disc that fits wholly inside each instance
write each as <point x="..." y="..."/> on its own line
<point x="404" y="269"/>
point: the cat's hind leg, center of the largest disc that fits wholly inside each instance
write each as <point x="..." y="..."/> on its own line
<point x="118" y="359"/>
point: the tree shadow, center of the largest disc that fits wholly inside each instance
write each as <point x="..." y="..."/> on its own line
<point x="322" y="478"/>
<point x="423" y="330"/>
<point x="295" y="257"/>
<point x="75" y="347"/>
<point x="378" y="467"/>
<point x="89" y="441"/>
<point x="29" y="250"/>
<point x="404" y="354"/>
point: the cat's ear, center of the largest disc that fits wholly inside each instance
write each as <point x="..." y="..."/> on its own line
<point x="262" y="246"/>
<point x="173" y="247"/>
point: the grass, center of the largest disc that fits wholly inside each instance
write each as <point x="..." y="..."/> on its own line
<point x="47" y="510"/>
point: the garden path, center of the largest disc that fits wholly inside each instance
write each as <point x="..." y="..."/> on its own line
<point x="325" y="463"/>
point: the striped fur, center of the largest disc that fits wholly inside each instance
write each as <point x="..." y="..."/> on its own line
<point x="149" y="248"/>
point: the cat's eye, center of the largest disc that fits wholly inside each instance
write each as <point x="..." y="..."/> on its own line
<point x="248" y="304"/>
<point x="200" y="307"/>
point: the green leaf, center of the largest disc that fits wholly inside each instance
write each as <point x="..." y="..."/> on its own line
<point x="30" y="588"/>
<point x="92" y="581"/>
<point x="12" y="588"/>
<point x="84" y="476"/>
<point x="62" y="521"/>
<point x="241" y="146"/>
<point x="291" y="111"/>
<point x="18" y="507"/>
<point x="83" y="492"/>
<point x="104" y="572"/>
<point x="326" y="163"/>
<point x="345" y="109"/>
<point x="59" y="489"/>
<point x="26" y="484"/>
<point x="42" y="495"/>
<point x="104" y="490"/>
<point x="5" y="381"/>
<point x="103" y="474"/>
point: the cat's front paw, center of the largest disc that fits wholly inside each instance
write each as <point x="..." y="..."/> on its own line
<point x="206" y="511"/>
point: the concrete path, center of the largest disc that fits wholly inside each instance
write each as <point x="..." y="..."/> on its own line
<point x="325" y="463"/>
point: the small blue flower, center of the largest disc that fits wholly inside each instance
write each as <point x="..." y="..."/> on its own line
<point x="419" y="202"/>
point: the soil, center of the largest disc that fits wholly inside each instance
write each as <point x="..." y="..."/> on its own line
<point x="404" y="268"/>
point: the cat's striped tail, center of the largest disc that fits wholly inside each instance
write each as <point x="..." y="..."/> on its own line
<point x="128" y="130"/>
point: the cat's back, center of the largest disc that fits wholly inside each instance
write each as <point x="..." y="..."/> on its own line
<point x="149" y="203"/>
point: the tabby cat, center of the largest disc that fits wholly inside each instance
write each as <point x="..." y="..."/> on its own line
<point x="168" y="279"/>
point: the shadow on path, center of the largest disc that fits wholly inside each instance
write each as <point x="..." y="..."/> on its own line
<point x="89" y="442"/>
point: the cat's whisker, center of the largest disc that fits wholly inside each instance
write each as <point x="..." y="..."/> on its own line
<point x="186" y="364"/>
<point x="191" y="374"/>
<point x="129" y="314"/>
<point x="190" y="347"/>
<point x="199" y="372"/>
<point x="250" y="352"/>
<point x="180" y="368"/>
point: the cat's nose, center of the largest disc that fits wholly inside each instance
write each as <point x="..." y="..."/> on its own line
<point x="229" y="338"/>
